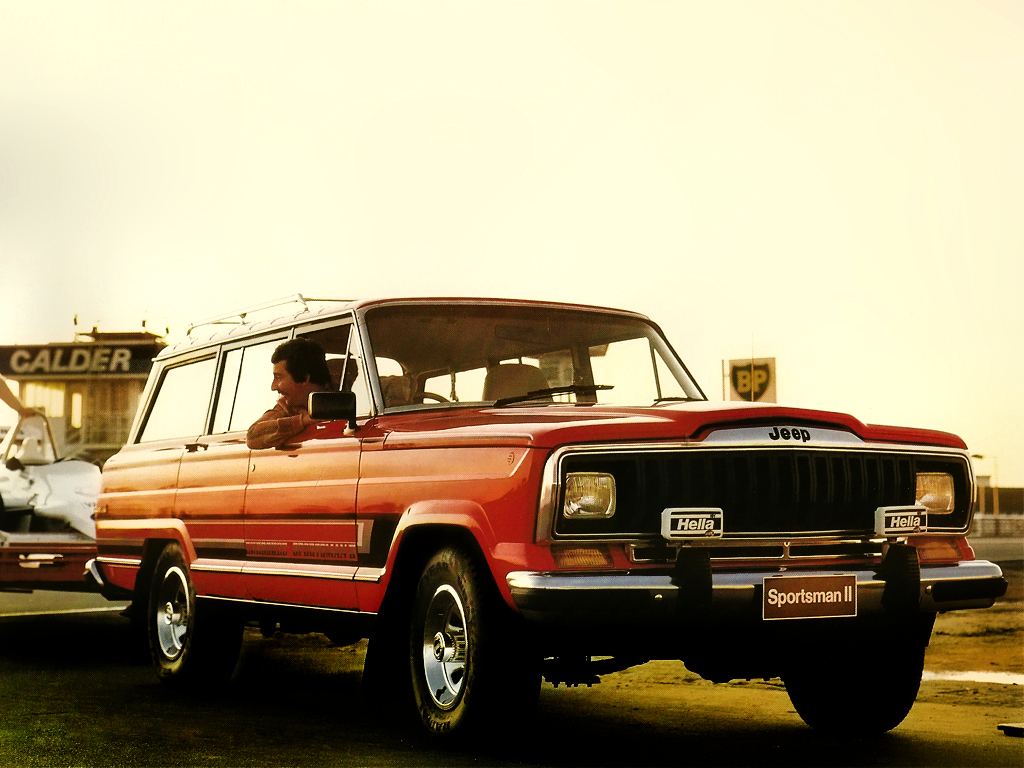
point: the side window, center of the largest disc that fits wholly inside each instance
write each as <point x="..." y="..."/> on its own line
<point x="334" y="341"/>
<point x="179" y="409"/>
<point x="228" y="387"/>
<point x="344" y="360"/>
<point x="253" y="396"/>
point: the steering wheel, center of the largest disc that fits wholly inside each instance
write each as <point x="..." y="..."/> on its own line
<point x="434" y="396"/>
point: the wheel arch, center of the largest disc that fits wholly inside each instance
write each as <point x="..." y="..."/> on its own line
<point x="151" y="549"/>
<point x="415" y="545"/>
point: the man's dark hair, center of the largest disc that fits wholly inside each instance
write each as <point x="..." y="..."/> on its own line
<point x="304" y="359"/>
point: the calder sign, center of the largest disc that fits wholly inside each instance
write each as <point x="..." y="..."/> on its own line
<point x="60" y="361"/>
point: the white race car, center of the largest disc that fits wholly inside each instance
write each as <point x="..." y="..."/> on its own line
<point x="47" y="506"/>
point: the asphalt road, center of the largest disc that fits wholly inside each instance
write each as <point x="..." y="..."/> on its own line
<point x="69" y="696"/>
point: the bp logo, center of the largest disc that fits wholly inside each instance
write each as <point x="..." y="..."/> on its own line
<point x="751" y="380"/>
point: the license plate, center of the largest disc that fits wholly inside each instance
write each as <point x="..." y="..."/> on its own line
<point x="809" y="597"/>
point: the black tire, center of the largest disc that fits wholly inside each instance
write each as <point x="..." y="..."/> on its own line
<point x="189" y="642"/>
<point x="469" y="661"/>
<point x="868" y="682"/>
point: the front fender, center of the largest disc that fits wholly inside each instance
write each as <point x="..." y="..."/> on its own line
<point x="421" y="529"/>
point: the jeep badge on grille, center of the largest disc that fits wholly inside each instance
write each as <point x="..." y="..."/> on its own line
<point x="691" y="523"/>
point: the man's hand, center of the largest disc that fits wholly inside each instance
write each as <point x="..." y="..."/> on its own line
<point x="305" y="419"/>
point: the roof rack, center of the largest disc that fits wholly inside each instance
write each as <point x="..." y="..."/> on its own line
<point x="238" y="317"/>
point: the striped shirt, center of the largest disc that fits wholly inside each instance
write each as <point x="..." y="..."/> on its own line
<point x="275" y="427"/>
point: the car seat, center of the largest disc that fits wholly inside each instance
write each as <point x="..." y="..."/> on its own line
<point x="514" y="380"/>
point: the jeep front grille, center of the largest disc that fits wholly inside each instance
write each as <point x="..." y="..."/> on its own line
<point x="762" y="492"/>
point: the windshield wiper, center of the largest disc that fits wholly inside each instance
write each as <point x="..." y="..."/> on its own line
<point x="674" y="399"/>
<point x="574" y="389"/>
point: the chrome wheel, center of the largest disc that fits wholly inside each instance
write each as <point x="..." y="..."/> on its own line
<point x="445" y="647"/>
<point x="173" y="611"/>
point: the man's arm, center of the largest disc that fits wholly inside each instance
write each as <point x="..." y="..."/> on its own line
<point x="276" y="427"/>
<point x="10" y="400"/>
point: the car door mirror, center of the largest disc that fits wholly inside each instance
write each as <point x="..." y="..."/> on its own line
<point x="14" y="465"/>
<point x="333" y="406"/>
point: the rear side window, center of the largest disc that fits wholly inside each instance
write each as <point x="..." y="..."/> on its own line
<point x="179" y="408"/>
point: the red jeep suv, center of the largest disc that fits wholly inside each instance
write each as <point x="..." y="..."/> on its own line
<point x="495" y="492"/>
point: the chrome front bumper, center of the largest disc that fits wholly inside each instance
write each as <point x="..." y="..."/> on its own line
<point x="557" y="598"/>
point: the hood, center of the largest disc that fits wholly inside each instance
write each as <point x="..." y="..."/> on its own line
<point x="552" y="426"/>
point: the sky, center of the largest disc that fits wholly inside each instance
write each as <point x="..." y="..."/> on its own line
<point x="837" y="185"/>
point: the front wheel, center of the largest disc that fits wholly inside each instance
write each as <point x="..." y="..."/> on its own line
<point x="467" y="670"/>
<point x="866" y="684"/>
<point x="187" y="641"/>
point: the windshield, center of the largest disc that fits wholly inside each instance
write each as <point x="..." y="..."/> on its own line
<point x="510" y="355"/>
<point x="30" y="443"/>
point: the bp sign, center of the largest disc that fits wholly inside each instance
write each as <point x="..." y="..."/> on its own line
<point x="752" y="380"/>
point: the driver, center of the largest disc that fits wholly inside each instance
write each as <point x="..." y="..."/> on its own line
<point x="300" y="367"/>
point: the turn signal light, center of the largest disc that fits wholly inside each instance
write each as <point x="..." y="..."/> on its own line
<point x="582" y="557"/>
<point x="941" y="549"/>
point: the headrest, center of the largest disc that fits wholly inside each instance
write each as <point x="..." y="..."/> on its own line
<point x="513" y="380"/>
<point x="397" y="390"/>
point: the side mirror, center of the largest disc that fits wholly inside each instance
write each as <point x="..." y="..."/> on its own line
<point x="333" y="406"/>
<point x="14" y="464"/>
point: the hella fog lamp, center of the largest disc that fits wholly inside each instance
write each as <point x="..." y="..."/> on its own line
<point x="589" y="495"/>
<point x="935" y="492"/>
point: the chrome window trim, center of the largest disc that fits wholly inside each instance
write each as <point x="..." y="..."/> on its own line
<point x="551" y="486"/>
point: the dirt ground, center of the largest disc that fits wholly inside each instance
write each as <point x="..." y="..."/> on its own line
<point x="989" y="640"/>
<point x="985" y="640"/>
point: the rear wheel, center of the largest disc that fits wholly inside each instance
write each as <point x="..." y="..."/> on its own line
<point x="188" y="641"/>
<point x="468" y="668"/>
<point x="866" y="684"/>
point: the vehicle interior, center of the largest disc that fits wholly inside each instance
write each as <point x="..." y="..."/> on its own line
<point x="499" y="355"/>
